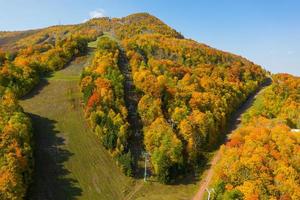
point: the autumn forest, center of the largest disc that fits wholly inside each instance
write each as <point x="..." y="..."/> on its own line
<point x="161" y="106"/>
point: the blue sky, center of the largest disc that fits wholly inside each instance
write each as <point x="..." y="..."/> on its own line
<point x="265" y="31"/>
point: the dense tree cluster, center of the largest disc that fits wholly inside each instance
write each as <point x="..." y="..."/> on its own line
<point x="261" y="159"/>
<point x="189" y="90"/>
<point x="103" y="94"/>
<point x="15" y="149"/>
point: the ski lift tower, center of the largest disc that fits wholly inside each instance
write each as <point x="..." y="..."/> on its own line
<point x="209" y="192"/>
<point x="146" y="155"/>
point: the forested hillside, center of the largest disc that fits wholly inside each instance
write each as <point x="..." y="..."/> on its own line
<point x="186" y="94"/>
<point x="189" y="91"/>
<point x="261" y="160"/>
<point x="183" y="95"/>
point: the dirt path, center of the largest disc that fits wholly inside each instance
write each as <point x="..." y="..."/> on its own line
<point x="234" y="125"/>
<point x="70" y="162"/>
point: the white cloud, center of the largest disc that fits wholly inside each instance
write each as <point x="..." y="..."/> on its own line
<point x="97" y="13"/>
<point x="290" y="52"/>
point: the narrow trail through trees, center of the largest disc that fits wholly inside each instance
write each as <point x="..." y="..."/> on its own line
<point x="234" y="123"/>
<point x="131" y="98"/>
<point x="131" y="101"/>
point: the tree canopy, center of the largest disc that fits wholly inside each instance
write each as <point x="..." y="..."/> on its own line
<point x="261" y="159"/>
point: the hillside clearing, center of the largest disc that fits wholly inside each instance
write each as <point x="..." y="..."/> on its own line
<point x="70" y="162"/>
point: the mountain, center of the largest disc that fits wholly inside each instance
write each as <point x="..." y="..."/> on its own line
<point x="147" y="91"/>
<point x="121" y="28"/>
<point x="149" y="85"/>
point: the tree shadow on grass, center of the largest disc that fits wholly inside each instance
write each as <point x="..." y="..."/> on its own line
<point x="50" y="176"/>
<point x="37" y="89"/>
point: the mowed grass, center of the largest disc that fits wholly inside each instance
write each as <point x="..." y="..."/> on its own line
<point x="152" y="190"/>
<point x="70" y="162"/>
